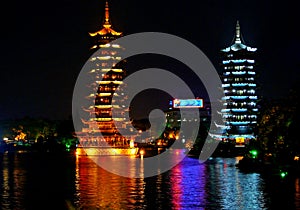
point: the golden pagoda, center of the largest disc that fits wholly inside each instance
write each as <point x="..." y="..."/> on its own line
<point x="107" y="71"/>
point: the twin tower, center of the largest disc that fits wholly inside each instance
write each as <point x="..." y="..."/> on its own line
<point x="238" y="77"/>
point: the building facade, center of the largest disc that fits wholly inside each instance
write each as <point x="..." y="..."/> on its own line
<point x="174" y="119"/>
<point x="240" y="89"/>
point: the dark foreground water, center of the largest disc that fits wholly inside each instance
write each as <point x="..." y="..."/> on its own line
<point x="48" y="181"/>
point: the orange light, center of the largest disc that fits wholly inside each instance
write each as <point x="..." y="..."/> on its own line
<point x="131" y="144"/>
<point x="142" y="152"/>
<point x="132" y="151"/>
<point x="106" y="25"/>
<point x="240" y="140"/>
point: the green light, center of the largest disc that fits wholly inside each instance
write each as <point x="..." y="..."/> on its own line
<point x="283" y="174"/>
<point x="68" y="146"/>
<point x="253" y="153"/>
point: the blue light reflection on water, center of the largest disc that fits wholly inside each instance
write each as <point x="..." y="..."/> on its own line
<point x="216" y="184"/>
<point x="236" y="190"/>
<point x="28" y="181"/>
<point x="187" y="182"/>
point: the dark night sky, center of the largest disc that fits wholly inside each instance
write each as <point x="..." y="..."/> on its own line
<point x="44" y="44"/>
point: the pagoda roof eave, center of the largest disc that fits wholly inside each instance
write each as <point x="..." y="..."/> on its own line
<point x="106" y="31"/>
<point x="238" y="47"/>
<point x="107" y="26"/>
<point x="238" y="44"/>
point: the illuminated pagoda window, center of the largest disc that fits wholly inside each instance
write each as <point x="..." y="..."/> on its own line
<point x="107" y="71"/>
<point x="240" y="90"/>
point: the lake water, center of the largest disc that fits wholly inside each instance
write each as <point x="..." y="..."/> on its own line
<point x="49" y="181"/>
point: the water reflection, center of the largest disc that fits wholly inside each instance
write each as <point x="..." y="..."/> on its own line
<point x="30" y="181"/>
<point x="297" y="192"/>
<point x="235" y="190"/>
<point x="12" y="180"/>
<point x="97" y="188"/>
<point x="130" y="166"/>
<point x="187" y="182"/>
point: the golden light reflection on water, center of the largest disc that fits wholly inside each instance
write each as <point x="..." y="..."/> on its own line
<point x="105" y="190"/>
<point x="79" y="183"/>
<point x="13" y="183"/>
<point x="297" y="192"/>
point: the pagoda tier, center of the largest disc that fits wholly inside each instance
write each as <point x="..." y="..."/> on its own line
<point x="240" y="90"/>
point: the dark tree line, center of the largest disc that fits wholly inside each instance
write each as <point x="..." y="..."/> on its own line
<point x="278" y="126"/>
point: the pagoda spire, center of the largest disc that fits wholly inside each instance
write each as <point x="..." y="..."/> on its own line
<point x="237" y="33"/>
<point x="107" y="27"/>
<point x="107" y="23"/>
